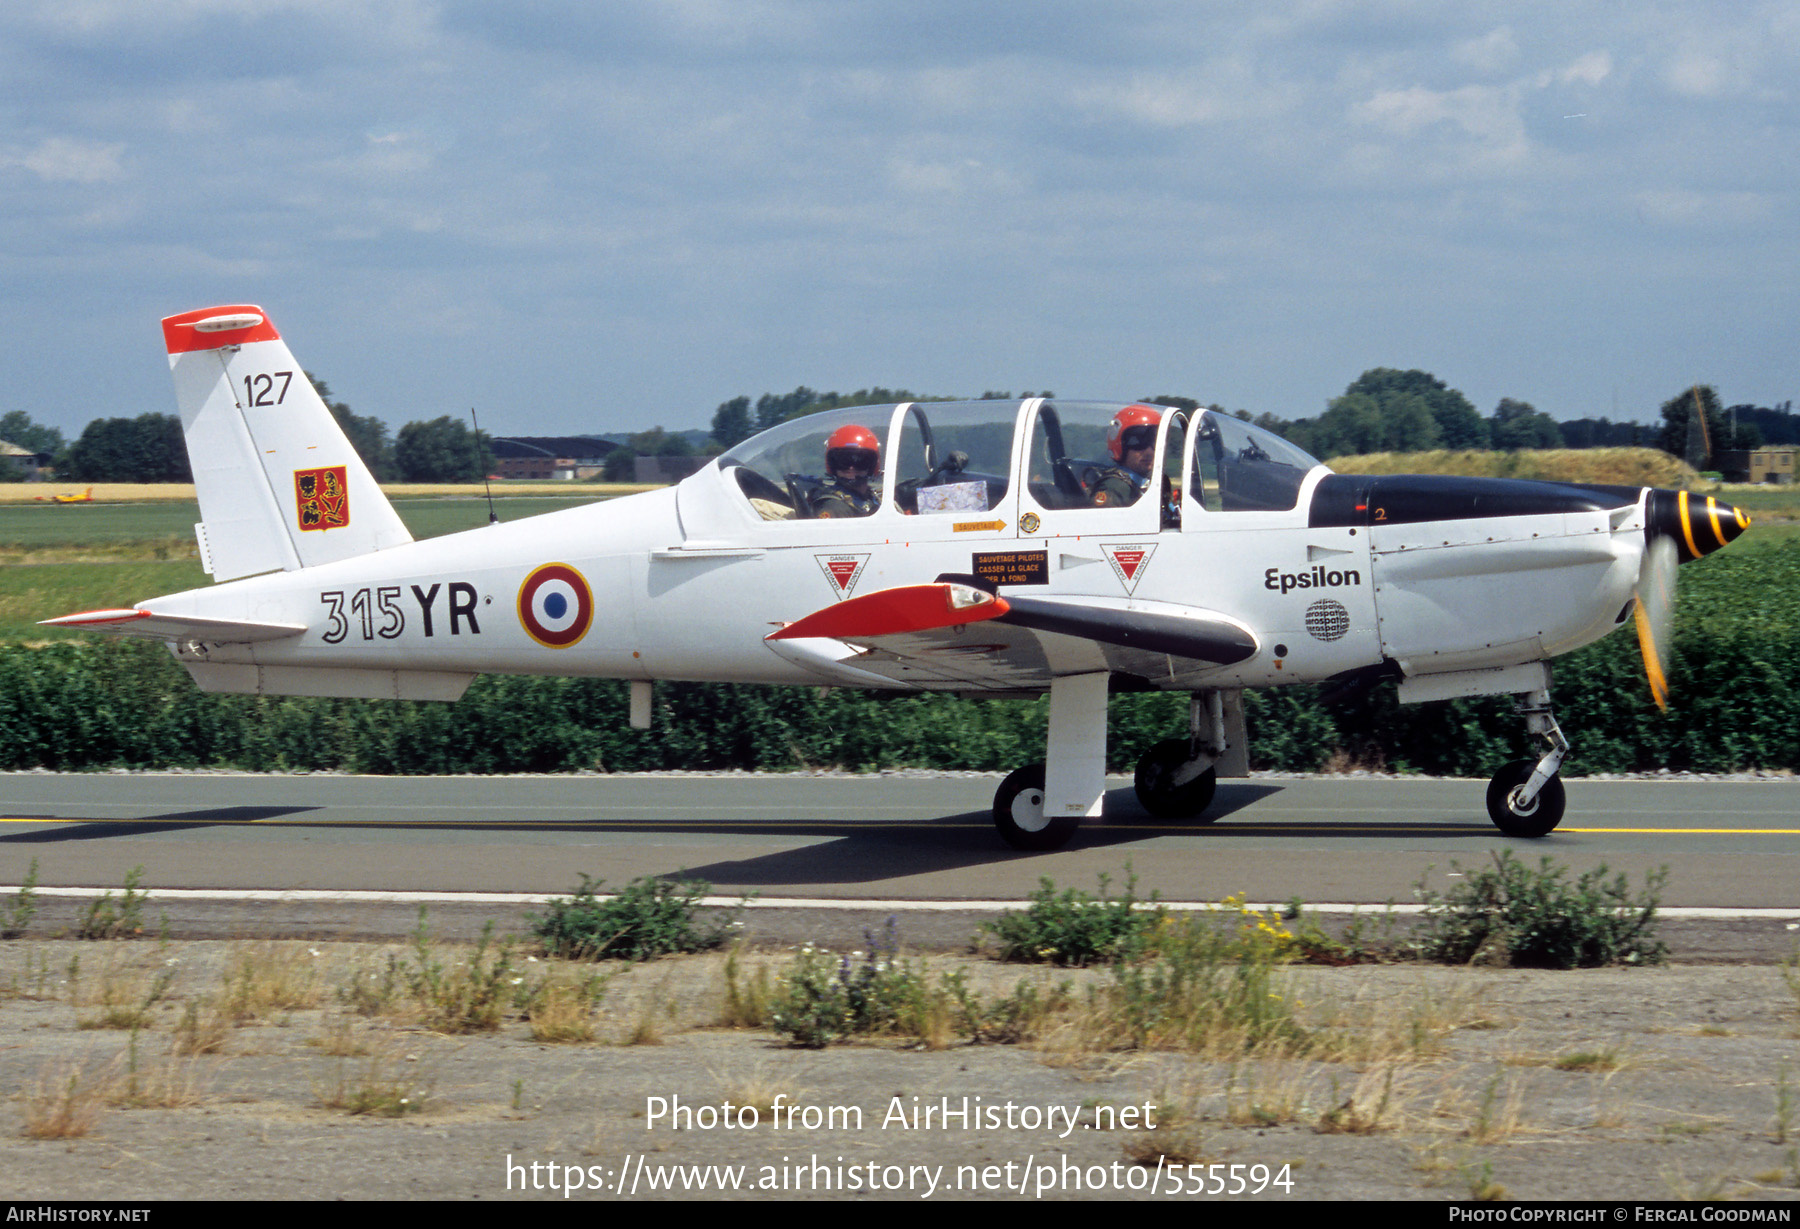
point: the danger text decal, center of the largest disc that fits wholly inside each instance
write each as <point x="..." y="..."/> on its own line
<point x="843" y="571"/>
<point x="1129" y="561"/>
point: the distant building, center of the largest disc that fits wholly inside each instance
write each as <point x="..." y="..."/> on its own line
<point x="31" y="463"/>
<point x="1756" y="464"/>
<point x="568" y="457"/>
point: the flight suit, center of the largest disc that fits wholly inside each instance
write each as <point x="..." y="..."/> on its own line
<point x="1117" y="488"/>
<point x="834" y="498"/>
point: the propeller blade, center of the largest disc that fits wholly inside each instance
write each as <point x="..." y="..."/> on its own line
<point x="1654" y="612"/>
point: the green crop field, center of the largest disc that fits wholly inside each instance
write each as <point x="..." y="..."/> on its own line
<point x="58" y="559"/>
<point x="123" y="528"/>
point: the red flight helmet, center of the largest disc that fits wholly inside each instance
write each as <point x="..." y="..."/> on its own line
<point x="852" y="446"/>
<point x="1132" y="427"/>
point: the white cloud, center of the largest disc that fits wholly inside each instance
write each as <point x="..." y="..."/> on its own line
<point x="1482" y="123"/>
<point x="1590" y="69"/>
<point x="1492" y="53"/>
<point x="71" y="160"/>
<point x="1696" y="76"/>
<point x="1685" y="207"/>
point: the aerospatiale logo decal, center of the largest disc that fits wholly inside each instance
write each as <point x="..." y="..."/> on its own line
<point x="1129" y="562"/>
<point x="322" y="497"/>
<point x="843" y="571"/>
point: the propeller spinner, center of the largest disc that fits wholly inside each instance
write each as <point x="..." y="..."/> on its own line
<point x="1680" y="528"/>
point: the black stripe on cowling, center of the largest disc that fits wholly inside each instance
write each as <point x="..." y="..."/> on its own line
<point x="1410" y="499"/>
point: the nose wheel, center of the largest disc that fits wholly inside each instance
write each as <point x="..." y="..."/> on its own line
<point x="1526" y="797"/>
<point x="1516" y="816"/>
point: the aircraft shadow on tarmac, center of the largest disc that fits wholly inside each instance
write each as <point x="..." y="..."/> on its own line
<point x="175" y="821"/>
<point x="863" y="851"/>
<point x="876" y="851"/>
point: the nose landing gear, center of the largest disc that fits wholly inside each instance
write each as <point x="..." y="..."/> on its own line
<point x="1526" y="797"/>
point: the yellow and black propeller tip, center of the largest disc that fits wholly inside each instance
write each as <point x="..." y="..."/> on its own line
<point x="1680" y="528"/>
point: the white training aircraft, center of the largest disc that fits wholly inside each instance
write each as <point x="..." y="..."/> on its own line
<point x="989" y="548"/>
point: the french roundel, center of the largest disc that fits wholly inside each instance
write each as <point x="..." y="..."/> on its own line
<point x="556" y="606"/>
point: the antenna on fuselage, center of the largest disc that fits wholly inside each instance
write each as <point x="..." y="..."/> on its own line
<point x="493" y="517"/>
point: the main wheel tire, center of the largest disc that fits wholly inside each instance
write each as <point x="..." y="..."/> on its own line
<point x="1545" y="812"/>
<point x="1157" y="792"/>
<point x="1019" y="813"/>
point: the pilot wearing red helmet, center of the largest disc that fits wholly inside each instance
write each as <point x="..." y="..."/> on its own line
<point x="853" y="469"/>
<point x="1131" y="438"/>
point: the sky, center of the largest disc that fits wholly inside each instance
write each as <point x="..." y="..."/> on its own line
<point x="588" y="217"/>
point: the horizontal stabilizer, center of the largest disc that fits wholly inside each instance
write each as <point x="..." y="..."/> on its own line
<point x="152" y="626"/>
<point x="893" y="612"/>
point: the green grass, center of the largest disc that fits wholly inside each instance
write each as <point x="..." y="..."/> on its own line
<point x="29" y="592"/>
<point x="125" y="553"/>
<point x="123" y="526"/>
<point x="1782" y="502"/>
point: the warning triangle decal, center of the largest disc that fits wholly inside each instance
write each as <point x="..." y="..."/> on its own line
<point x="842" y="571"/>
<point x="1129" y="561"/>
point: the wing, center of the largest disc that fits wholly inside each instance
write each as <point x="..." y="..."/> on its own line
<point x="151" y="626"/>
<point x="952" y="635"/>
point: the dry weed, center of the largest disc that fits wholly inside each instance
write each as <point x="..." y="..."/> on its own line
<point x="1177" y="1147"/>
<point x="745" y="998"/>
<point x="1496" y="1114"/>
<point x="172" y="1084"/>
<point x="561" y="1011"/>
<point x="264" y="978"/>
<point x="340" y="1038"/>
<point x="66" y="1100"/>
<point x="1378" y="1101"/>
<point x="203" y="1027"/>
<point x="1265" y="1094"/>
<point x="387" y="1086"/>
<point x="760" y="1090"/>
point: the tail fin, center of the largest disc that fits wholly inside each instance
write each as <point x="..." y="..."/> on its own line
<point x="279" y="484"/>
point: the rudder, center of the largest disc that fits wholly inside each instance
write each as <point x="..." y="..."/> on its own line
<point x="280" y="485"/>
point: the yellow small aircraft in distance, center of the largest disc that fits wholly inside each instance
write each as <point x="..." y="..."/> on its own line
<point x="86" y="497"/>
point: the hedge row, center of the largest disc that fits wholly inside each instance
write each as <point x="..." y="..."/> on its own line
<point x="127" y="704"/>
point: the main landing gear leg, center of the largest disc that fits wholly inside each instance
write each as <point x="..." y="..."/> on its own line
<point x="1176" y="778"/>
<point x="1039" y="807"/>
<point x="1525" y="798"/>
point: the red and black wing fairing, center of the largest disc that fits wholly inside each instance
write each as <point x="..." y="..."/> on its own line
<point x="1191" y="636"/>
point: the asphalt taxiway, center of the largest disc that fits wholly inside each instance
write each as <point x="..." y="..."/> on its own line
<point x="899" y="836"/>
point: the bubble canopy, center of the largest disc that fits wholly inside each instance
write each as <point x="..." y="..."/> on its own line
<point x="969" y="456"/>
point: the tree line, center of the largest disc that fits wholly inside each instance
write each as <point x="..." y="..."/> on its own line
<point x="150" y="447"/>
<point x="1382" y="410"/>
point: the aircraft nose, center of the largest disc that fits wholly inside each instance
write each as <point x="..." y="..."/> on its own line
<point x="1699" y="526"/>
